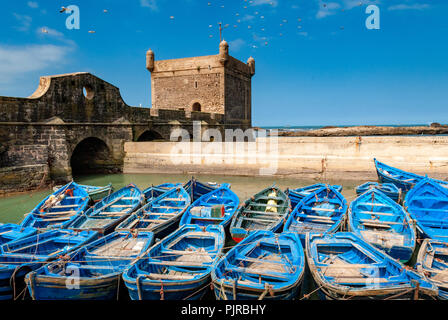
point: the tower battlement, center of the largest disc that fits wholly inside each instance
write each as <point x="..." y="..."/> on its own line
<point x="217" y="84"/>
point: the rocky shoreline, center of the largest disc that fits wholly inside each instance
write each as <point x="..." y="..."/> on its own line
<point x="433" y="129"/>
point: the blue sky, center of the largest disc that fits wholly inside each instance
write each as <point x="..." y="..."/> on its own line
<point x="316" y="62"/>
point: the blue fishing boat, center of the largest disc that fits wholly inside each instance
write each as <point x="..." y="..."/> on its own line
<point x="389" y="189"/>
<point x="382" y="222"/>
<point x="215" y="207"/>
<point x="106" y="214"/>
<point x="197" y="189"/>
<point x="427" y="203"/>
<point x="344" y="266"/>
<point x="323" y="211"/>
<point x="92" y="272"/>
<point x="159" y="216"/>
<point x="58" y="209"/>
<point x="265" y="265"/>
<point x="19" y="257"/>
<point x="266" y="210"/>
<point x="95" y="193"/>
<point x="154" y="192"/>
<point x="178" y="267"/>
<point x="402" y="179"/>
<point x="297" y="195"/>
<point x="432" y="262"/>
<point x="10" y="232"/>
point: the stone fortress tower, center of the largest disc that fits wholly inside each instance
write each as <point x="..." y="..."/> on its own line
<point x="218" y="84"/>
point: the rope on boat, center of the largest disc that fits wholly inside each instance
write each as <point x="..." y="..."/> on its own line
<point x="222" y="291"/>
<point x="267" y="289"/>
<point x="118" y="286"/>
<point x="162" y="293"/>
<point x="139" y="289"/>
<point x="199" y="290"/>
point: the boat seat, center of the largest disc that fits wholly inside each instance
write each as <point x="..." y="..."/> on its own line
<point x="121" y="205"/>
<point x="302" y="227"/>
<point x="271" y="198"/>
<point x="374" y="204"/>
<point x="256" y="260"/>
<point x="160" y="214"/>
<point x="359" y="280"/>
<point x="206" y="218"/>
<point x="158" y="276"/>
<point x="390" y="214"/>
<point x="259" y="220"/>
<point x="264" y="213"/>
<point x="95" y="267"/>
<point x="257" y="204"/>
<point x="153" y="220"/>
<point x="183" y="252"/>
<point x="173" y="199"/>
<point x="49" y="213"/>
<point x="179" y="263"/>
<point x="316" y="217"/>
<point x="65" y="206"/>
<point x="74" y="197"/>
<point x="363" y="221"/>
<point x="276" y="275"/>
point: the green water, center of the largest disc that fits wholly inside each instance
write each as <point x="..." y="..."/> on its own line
<point x="12" y="209"/>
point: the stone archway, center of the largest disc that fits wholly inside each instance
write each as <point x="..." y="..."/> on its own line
<point x="150" y="135"/>
<point x="91" y="155"/>
<point x="196" y="107"/>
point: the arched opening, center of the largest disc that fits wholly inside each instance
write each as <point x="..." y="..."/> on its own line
<point x="88" y="92"/>
<point x="90" y="156"/>
<point x="150" y="135"/>
<point x="196" y="107"/>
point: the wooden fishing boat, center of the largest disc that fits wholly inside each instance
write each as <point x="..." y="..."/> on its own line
<point x="382" y="222"/>
<point x="197" y="189"/>
<point x="178" y="267"/>
<point x="402" y="179"/>
<point x="98" y="267"/>
<point x="216" y="207"/>
<point x="389" y="189"/>
<point x="10" y="232"/>
<point x="159" y="216"/>
<point x="298" y="194"/>
<point x="427" y="203"/>
<point x="264" y="265"/>
<point x="432" y="262"/>
<point x="58" y="209"/>
<point x="154" y="192"/>
<point x="323" y="211"/>
<point x="95" y="193"/>
<point x="344" y="266"/>
<point x="106" y="214"/>
<point x="266" y="210"/>
<point x="19" y="257"/>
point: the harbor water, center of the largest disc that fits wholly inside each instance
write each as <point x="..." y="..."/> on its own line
<point x="13" y="208"/>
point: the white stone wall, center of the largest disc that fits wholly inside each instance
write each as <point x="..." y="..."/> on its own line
<point x="302" y="157"/>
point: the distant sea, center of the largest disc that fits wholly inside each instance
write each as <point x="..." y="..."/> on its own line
<point x="306" y="128"/>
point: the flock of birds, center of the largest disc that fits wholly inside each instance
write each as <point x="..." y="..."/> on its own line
<point x="240" y="19"/>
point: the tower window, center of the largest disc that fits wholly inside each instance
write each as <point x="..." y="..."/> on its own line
<point x="197" y="107"/>
<point x="196" y="84"/>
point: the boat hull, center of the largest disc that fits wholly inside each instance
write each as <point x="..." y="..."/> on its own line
<point x="225" y="292"/>
<point x="185" y="290"/>
<point x="53" y="288"/>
